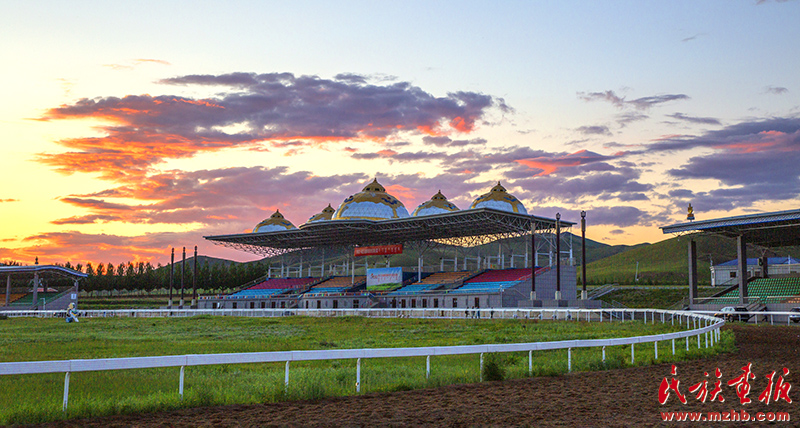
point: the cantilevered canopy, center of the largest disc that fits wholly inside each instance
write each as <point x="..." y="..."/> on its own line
<point x="775" y="229"/>
<point x="467" y="227"/>
<point x="42" y="269"/>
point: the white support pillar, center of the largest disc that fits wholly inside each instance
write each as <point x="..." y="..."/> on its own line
<point x="604" y="354"/>
<point x="286" y="377"/>
<point x="569" y="360"/>
<point x="180" y="383"/>
<point x="66" y="391"/>
<point x="358" y="375"/>
<point x="530" y="363"/>
<point x="632" y="353"/>
<point x="428" y="367"/>
<point x="655" y="347"/>
<point x="481" y="374"/>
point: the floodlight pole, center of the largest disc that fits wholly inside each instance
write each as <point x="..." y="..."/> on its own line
<point x="183" y="263"/>
<point x="171" y="277"/>
<point x="194" y="280"/>
<point x="558" y="256"/>
<point x="583" y="254"/>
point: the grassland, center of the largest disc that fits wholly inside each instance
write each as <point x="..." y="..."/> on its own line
<point x="37" y="398"/>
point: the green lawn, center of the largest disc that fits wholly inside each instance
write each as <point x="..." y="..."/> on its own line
<point x="37" y="398"/>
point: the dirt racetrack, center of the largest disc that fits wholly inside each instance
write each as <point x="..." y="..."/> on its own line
<point x="615" y="398"/>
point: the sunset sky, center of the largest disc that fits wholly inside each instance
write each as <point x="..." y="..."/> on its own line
<point x="128" y="128"/>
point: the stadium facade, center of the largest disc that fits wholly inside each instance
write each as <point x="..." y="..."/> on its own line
<point x="320" y="263"/>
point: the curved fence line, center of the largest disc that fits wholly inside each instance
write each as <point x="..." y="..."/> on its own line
<point x="697" y="325"/>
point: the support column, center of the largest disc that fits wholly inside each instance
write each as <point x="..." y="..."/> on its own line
<point x="171" y="277"/>
<point x="692" y="271"/>
<point x="533" y="265"/>
<point x="36" y="290"/>
<point x="194" y="280"/>
<point x="741" y="252"/>
<point x="764" y="267"/>
<point x="558" y="256"/>
<point x="583" y="254"/>
<point x="183" y="270"/>
<point x="8" y="290"/>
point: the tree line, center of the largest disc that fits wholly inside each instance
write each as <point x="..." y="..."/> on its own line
<point x="146" y="277"/>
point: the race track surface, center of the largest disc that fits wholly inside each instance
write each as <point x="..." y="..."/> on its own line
<point x="614" y="398"/>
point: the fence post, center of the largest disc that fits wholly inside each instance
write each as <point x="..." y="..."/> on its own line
<point x="687" y="343"/>
<point x="428" y="367"/>
<point x="358" y="375"/>
<point x="286" y="377"/>
<point x="66" y="391"/>
<point x="481" y="375"/>
<point x="698" y="341"/>
<point x="644" y="314"/>
<point x="604" y="354"/>
<point x="631" y="353"/>
<point x="180" y="384"/>
<point x="530" y="363"/>
<point x="656" y="348"/>
<point x="569" y="360"/>
<point x="673" y="346"/>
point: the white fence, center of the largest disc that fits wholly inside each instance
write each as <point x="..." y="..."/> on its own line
<point x="697" y="325"/>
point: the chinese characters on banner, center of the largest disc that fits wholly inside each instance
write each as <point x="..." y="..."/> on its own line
<point x="776" y="390"/>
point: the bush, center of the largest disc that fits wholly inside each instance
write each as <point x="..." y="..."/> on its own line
<point x="493" y="368"/>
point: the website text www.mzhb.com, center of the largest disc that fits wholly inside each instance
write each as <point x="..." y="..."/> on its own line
<point x="732" y="416"/>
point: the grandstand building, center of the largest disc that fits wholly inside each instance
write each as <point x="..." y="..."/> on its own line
<point x="755" y="284"/>
<point x="331" y="261"/>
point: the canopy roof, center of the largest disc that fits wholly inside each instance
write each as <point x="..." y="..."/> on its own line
<point x="454" y="227"/>
<point x="775" y="229"/>
<point x="42" y="268"/>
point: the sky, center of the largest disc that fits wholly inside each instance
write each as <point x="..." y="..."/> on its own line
<point x="129" y="128"/>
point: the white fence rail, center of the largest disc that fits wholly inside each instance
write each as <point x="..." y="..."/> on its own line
<point x="697" y="325"/>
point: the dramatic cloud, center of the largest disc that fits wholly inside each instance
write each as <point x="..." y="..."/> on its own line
<point x="693" y="119"/>
<point x="594" y="130"/>
<point x="643" y="103"/>
<point x="78" y="247"/>
<point x="144" y="130"/>
<point x="756" y="161"/>
<point x="550" y="164"/>
<point x="215" y="198"/>
<point x="624" y="119"/>
<point x="777" y="90"/>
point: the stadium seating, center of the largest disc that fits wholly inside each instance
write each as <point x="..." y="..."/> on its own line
<point x="27" y="299"/>
<point x="13" y="297"/>
<point x="283" y="283"/>
<point x="500" y="275"/>
<point x="493" y="281"/>
<point x="432" y="282"/>
<point x="769" y="290"/>
<point x="273" y="286"/>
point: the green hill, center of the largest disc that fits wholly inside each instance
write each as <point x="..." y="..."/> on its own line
<point x="665" y="262"/>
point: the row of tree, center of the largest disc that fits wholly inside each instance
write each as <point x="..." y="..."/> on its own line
<point x="144" y="276"/>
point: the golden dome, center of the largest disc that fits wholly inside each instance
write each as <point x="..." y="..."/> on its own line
<point x="276" y="222"/>
<point x="372" y="203"/>
<point x="498" y="198"/>
<point x="326" y="214"/>
<point x="438" y="204"/>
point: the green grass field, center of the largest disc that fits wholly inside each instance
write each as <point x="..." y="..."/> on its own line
<point x="37" y="398"/>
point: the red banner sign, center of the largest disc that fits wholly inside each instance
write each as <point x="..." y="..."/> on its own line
<point x="378" y="250"/>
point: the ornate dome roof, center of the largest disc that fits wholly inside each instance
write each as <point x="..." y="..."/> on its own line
<point x="274" y="223"/>
<point x="438" y="204"/>
<point x="498" y="198"/>
<point x="325" y="215"/>
<point x="372" y="203"/>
